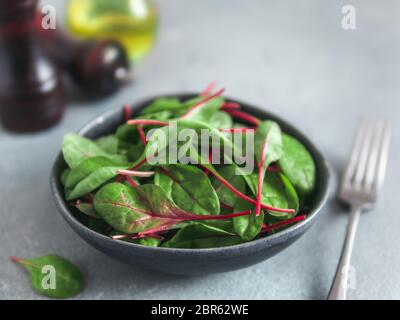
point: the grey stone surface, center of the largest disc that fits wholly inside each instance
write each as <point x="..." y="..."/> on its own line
<point x="290" y="57"/>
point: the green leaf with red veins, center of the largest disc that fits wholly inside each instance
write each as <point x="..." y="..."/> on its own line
<point x="145" y="208"/>
<point x="53" y="276"/>
<point x="268" y="149"/>
<point x="178" y="182"/>
<point x="248" y="227"/>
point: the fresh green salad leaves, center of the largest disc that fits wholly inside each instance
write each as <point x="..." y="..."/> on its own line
<point x="200" y="197"/>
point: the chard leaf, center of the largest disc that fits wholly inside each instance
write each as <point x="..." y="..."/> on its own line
<point x="127" y="133"/>
<point x="64" y="176"/>
<point x="144" y="208"/>
<point x="268" y="143"/>
<point x="164" y="104"/>
<point x="207" y="111"/>
<point x="190" y="188"/>
<point x="268" y="149"/>
<point x="225" y="195"/>
<point x="247" y="227"/>
<point x="75" y="149"/>
<point x="53" y="276"/>
<point x="85" y="168"/>
<point x="278" y="192"/>
<point x="148" y="242"/>
<point x="93" y="181"/>
<point x="88" y="209"/>
<point x="108" y="144"/>
<point x="200" y="236"/>
<point x="298" y="165"/>
<point x="134" y="210"/>
<point x="221" y="120"/>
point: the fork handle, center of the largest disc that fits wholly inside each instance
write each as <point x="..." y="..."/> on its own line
<point x="339" y="286"/>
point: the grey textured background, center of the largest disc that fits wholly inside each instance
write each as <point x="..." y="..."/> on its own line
<point x="291" y="57"/>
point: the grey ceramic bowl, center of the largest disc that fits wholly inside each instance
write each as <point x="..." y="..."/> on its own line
<point x="192" y="261"/>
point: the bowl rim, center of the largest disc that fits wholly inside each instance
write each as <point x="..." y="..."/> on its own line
<point x="253" y="245"/>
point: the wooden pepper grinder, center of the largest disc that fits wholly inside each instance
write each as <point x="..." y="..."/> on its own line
<point x="31" y="90"/>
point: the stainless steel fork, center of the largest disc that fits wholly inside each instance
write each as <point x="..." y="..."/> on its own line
<point x="359" y="188"/>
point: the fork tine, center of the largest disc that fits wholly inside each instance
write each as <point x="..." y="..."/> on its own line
<point x="383" y="156"/>
<point x="355" y="153"/>
<point x="363" y="158"/>
<point x="372" y="162"/>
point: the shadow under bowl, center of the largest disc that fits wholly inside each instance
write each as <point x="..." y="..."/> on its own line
<point x="192" y="261"/>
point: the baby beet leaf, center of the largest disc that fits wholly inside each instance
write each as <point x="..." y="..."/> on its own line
<point x="144" y="241"/>
<point x="95" y="180"/>
<point x="204" y="113"/>
<point x="64" y="176"/>
<point x="85" y="168"/>
<point x="76" y="149"/>
<point x="268" y="149"/>
<point x="190" y="188"/>
<point x="221" y="120"/>
<point x="298" y="165"/>
<point x="88" y="209"/>
<point x="144" y="209"/>
<point x="108" y="143"/>
<point x="269" y="135"/>
<point x="226" y="196"/>
<point x="53" y="276"/>
<point x="278" y="191"/>
<point x="162" y="104"/>
<point x="248" y="227"/>
<point x="201" y="236"/>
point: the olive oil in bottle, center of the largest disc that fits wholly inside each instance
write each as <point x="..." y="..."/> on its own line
<point x="132" y="22"/>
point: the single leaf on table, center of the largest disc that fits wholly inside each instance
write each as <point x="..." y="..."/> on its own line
<point x="226" y="196"/>
<point x="145" y="208"/>
<point x="202" y="236"/>
<point x="298" y="165"/>
<point x="278" y="192"/>
<point x="189" y="187"/>
<point x="109" y="144"/>
<point x="93" y="181"/>
<point x="53" y="276"/>
<point x="248" y="227"/>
